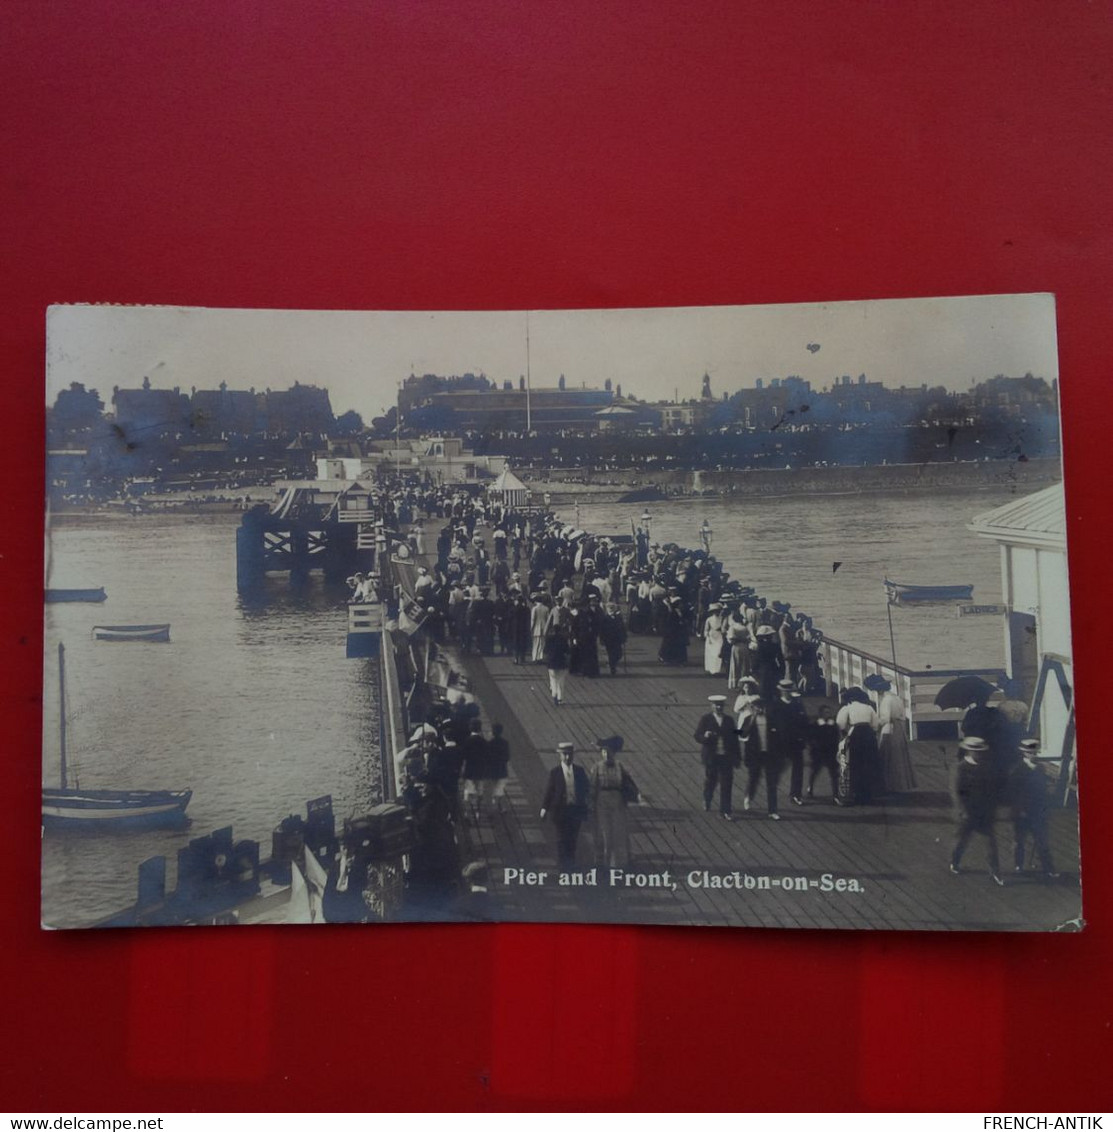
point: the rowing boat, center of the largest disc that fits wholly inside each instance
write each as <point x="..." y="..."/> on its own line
<point x="57" y="595"/>
<point x="159" y="633"/>
<point x="903" y="594"/>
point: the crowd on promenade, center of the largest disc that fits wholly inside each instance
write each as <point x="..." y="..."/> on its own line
<point x="522" y="583"/>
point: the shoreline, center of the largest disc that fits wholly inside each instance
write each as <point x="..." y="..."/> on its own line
<point x="784" y="482"/>
<point x="610" y="487"/>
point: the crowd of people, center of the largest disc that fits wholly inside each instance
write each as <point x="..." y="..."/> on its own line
<point x="521" y="583"/>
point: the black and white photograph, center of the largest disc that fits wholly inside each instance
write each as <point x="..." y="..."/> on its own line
<point x="725" y="616"/>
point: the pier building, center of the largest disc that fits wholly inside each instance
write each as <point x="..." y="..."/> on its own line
<point x="1032" y="535"/>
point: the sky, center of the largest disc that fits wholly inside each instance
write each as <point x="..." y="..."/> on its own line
<point x="654" y="354"/>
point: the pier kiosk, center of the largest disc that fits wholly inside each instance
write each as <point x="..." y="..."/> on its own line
<point x="1032" y="534"/>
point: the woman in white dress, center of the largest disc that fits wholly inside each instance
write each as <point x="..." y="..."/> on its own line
<point x="738" y="642"/>
<point x="538" y="621"/>
<point x="713" y="640"/>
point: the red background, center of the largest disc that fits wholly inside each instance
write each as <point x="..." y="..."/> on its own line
<point x="504" y="155"/>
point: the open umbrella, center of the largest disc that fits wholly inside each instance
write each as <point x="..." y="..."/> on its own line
<point x="963" y="691"/>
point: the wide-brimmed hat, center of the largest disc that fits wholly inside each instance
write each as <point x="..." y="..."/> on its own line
<point x="766" y="631"/>
<point x="611" y="743"/>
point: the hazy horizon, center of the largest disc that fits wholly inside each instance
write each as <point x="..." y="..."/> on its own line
<point x="655" y="354"/>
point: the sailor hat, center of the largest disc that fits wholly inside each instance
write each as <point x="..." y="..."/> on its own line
<point x="974" y="743"/>
<point x="716" y="699"/>
<point x="1030" y="746"/>
<point x="564" y="746"/>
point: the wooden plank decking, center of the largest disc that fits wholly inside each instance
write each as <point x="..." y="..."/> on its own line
<point x="897" y="852"/>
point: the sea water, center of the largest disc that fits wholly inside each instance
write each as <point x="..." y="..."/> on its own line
<point x="255" y="708"/>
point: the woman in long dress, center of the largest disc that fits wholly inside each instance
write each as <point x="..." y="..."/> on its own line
<point x="612" y="789"/>
<point x="713" y="640"/>
<point x="674" y="636"/>
<point x="896" y="761"/>
<point x="741" y="655"/>
<point x="538" y="618"/>
<point x="861" y="765"/>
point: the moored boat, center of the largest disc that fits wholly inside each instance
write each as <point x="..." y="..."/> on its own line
<point x="56" y="595"/>
<point x="113" y="807"/>
<point x="159" y="633"/>
<point x="901" y="593"/>
<point x="67" y="805"/>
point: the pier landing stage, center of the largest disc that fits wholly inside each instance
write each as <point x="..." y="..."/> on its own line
<point x="820" y="866"/>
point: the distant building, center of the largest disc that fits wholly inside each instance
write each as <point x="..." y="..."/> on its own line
<point x="223" y="410"/>
<point x="507" y="410"/>
<point x="627" y="417"/>
<point x="676" y="417"/>
<point x="150" y="411"/>
<point x="439" y="459"/>
<point x="301" y="408"/>
<point x="209" y="413"/>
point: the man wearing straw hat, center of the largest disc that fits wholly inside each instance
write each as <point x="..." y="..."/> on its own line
<point x="1027" y="792"/>
<point x="975" y="795"/>
<point x="720" y="753"/>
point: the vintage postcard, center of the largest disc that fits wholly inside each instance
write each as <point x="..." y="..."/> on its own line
<point x="737" y="616"/>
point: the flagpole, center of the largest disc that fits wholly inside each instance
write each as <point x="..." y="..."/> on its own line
<point x="889" y="611"/>
<point x="529" y="419"/>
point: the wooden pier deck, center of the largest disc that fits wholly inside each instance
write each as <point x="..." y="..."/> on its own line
<point x="897" y="852"/>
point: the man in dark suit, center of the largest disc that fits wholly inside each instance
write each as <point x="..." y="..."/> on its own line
<point x="565" y="802"/>
<point x="789" y="720"/>
<point x="1027" y="791"/>
<point x="720" y="753"/>
<point x="764" y="747"/>
<point x="974" y="789"/>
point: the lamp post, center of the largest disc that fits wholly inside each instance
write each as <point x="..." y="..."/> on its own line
<point x="647" y="520"/>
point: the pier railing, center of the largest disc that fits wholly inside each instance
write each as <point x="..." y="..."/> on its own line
<point x="845" y="666"/>
<point x="392" y="719"/>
